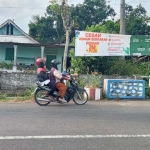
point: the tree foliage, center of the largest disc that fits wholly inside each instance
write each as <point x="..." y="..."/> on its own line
<point x="91" y="12"/>
<point x="108" y="65"/>
<point x="106" y="27"/>
<point x="67" y="24"/>
<point x="136" y="24"/>
<point x="137" y="21"/>
<point x="86" y="65"/>
<point x="92" y="16"/>
<point x="43" y="29"/>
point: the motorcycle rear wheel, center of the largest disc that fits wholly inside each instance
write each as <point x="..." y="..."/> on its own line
<point x="80" y="97"/>
<point x="40" y="97"/>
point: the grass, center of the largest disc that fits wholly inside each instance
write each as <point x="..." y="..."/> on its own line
<point x="17" y="99"/>
<point x="26" y="96"/>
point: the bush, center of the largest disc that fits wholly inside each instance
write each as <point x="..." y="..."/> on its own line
<point x="6" y="65"/>
<point x="2" y="96"/>
<point x="147" y="92"/>
<point x="108" y="65"/>
<point x="28" y="92"/>
<point x="81" y="82"/>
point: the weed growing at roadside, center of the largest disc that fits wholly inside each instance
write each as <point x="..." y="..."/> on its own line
<point x="2" y="96"/>
<point x="27" y="95"/>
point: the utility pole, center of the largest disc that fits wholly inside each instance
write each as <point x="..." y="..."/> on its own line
<point x="122" y="16"/>
<point x="122" y="19"/>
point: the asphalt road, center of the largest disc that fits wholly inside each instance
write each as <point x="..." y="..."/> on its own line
<point x="123" y="125"/>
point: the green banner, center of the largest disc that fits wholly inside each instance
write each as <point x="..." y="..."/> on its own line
<point x="140" y="45"/>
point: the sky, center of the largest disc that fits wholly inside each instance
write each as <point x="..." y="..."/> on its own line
<point x="21" y="11"/>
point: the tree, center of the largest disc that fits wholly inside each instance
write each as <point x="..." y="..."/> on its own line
<point x="42" y="28"/>
<point x="136" y="21"/>
<point x="106" y="27"/>
<point x="67" y="24"/>
<point x="136" y="24"/>
<point x="66" y="17"/>
<point x="86" y="65"/>
<point x="91" y="12"/>
<point x="100" y="64"/>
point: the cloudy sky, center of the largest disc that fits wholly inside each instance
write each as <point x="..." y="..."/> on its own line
<point x="21" y="11"/>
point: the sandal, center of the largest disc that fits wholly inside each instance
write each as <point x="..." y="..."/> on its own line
<point x="62" y="100"/>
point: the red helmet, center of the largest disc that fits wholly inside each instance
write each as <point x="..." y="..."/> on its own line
<point x="40" y="62"/>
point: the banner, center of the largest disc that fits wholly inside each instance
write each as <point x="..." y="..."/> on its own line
<point x="101" y="44"/>
<point x="140" y="45"/>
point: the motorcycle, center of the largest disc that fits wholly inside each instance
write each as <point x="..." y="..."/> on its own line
<point x="73" y="92"/>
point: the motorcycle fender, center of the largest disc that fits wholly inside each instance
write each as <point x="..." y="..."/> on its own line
<point x="35" y="90"/>
<point x="81" y="89"/>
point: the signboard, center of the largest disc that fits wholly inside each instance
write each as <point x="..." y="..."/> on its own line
<point x="101" y="44"/>
<point x="140" y="45"/>
<point x="124" y="88"/>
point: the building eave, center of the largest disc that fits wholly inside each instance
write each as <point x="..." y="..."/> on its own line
<point x="25" y="34"/>
<point x="35" y="45"/>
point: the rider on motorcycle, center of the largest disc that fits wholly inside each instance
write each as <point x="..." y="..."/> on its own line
<point x="42" y="76"/>
<point x="57" y="77"/>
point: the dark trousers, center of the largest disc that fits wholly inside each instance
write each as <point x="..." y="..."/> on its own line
<point x="52" y="88"/>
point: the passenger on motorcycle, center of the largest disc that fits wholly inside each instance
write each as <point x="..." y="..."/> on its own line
<point x="57" y="77"/>
<point x="42" y="76"/>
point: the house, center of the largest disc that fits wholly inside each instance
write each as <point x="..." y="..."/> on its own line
<point x="19" y="48"/>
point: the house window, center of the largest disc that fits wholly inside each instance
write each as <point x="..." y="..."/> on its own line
<point x="9" y="54"/>
<point x="9" y="29"/>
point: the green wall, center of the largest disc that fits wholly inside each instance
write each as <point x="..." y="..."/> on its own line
<point x="59" y="52"/>
<point x="3" y="31"/>
<point x="27" y="55"/>
<point x="17" y="32"/>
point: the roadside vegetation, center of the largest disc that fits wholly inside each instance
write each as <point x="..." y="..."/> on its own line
<point x="26" y="96"/>
<point x="90" y="16"/>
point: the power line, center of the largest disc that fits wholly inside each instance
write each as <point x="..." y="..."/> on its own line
<point x="138" y="2"/>
<point x="28" y="15"/>
<point x="133" y="1"/>
<point x="20" y="8"/>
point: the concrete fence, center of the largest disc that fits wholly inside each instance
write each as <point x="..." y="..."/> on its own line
<point x="102" y="77"/>
<point x="17" y="82"/>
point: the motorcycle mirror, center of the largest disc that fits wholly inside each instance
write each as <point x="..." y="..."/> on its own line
<point x="68" y="71"/>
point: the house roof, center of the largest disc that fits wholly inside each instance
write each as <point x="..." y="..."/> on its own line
<point x="35" y="45"/>
<point x="19" y="38"/>
<point x="25" y="34"/>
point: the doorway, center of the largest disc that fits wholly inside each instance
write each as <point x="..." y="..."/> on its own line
<point x="49" y="58"/>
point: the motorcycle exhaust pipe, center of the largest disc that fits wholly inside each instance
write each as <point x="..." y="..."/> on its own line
<point x="42" y="99"/>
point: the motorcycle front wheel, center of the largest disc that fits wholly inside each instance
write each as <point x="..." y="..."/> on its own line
<point x="41" y="98"/>
<point x="80" y="97"/>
